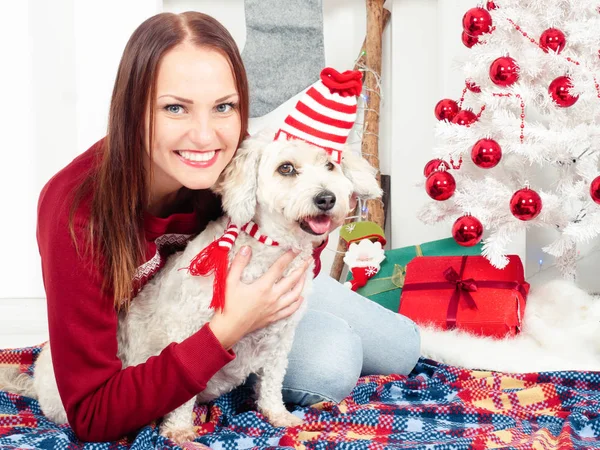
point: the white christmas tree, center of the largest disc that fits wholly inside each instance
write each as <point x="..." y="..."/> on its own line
<point x="530" y="106"/>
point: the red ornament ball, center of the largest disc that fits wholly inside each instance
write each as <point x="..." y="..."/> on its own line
<point x="491" y="6"/>
<point x="559" y="91"/>
<point x="553" y="39"/>
<point x="477" y="21"/>
<point x="433" y="165"/>
<point x="465" y="117"/>
<point x="472" y="86"/>
<point x="440" y="185"/>
<point x="469" y="41"/>
<point x="595" y="190"/>
<point x="504" y="71"/>
<point x="446" y="109"/>
<point x="467" y="231"/>
<point x="486" y="153"/>
<point x="525" y="204"/>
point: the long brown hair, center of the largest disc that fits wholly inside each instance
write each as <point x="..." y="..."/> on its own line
<point x="119" y="183"/>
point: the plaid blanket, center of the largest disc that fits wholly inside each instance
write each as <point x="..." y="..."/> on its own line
<point x="435" y="407"/>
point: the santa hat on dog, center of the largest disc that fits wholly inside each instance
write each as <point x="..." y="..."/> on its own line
<point x="326" y="112"/>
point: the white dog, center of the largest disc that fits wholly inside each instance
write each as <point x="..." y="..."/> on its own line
<point x="561" y="331"/>
<point x="293" y="191"/>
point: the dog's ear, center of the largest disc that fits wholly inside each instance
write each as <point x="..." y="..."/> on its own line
<point x="237" y="184"/>
<point x="362" y="175"/>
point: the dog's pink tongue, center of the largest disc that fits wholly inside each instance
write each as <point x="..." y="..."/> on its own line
<point x="319" y="224"/>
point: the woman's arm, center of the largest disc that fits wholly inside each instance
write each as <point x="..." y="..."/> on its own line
<point x="103" y="401"/>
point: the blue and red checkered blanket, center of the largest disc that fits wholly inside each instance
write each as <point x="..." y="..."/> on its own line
<point x="435" y="407"/>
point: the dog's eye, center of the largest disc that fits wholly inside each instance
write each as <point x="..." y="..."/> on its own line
<point x="286" y="169"/>
<point x="330" y="166"/>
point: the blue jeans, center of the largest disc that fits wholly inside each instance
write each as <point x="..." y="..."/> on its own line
<point x="344" y="336"/>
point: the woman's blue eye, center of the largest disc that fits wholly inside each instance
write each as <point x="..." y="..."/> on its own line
<point x="174" y="109"/>
<point x="225" y="107"/>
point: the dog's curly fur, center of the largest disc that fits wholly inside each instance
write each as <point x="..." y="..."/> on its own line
<point x="174" y="305"/>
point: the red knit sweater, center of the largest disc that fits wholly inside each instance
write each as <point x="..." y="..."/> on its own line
<point x="103" y="401"/>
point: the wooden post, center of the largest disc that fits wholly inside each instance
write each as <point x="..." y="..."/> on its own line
<point x="377" y="18"/>
<point x="370" y="145"/>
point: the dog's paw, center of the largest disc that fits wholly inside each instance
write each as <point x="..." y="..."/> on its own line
<point x="282" y="419"/>
<point x="179" y="435"/>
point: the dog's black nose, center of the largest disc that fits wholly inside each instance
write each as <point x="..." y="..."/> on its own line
<point x="325" y="200"/>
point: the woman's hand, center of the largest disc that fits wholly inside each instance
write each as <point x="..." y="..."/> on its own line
<point x="249" y="307"/>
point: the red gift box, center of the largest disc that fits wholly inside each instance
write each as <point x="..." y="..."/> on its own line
<point x="465" y="292"/>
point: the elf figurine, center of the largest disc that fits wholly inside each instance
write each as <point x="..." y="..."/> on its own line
<point x="363" y="260"/>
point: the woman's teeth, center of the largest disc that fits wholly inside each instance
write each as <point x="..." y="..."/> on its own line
<point x="197" y="156"/>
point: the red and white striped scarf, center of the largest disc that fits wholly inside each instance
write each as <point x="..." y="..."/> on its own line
<point x="215" y="259"/>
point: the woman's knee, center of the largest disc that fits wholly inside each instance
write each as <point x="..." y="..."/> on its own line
<point x="408" y="349"/>
<point x="325" y="362"/>
<point x="397" y="348"/>
<point x="390" y="342"/>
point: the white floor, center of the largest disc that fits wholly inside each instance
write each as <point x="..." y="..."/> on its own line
<point x="23" y="322"/>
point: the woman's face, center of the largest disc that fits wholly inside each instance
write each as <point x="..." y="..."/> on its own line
<point x="196" y="120"/>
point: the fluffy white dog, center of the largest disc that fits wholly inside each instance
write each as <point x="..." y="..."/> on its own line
<point x="561" y="331"/>
<point x="293" y="192"/>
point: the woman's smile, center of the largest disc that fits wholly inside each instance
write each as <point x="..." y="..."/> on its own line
<point x="197" y="158"/>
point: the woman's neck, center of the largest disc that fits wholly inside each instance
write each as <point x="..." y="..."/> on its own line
<point x="170" y="203"/>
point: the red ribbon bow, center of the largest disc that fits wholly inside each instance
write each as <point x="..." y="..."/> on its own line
<point x="464" y="287"/>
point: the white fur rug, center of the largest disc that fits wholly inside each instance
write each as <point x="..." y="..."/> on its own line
<point x="561" y="331"/>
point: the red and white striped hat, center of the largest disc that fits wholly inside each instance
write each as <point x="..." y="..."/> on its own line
<point x="326" y="112"/>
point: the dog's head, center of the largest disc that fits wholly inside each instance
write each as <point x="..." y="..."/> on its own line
<point x="292" y="189"/>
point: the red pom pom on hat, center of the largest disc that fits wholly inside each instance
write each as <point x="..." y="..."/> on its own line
<point x="346" y="84"/>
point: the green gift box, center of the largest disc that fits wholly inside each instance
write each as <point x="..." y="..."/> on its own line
<point x="386" y="285"/>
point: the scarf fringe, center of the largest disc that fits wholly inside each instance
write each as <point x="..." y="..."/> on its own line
<point x="213" y="259"/>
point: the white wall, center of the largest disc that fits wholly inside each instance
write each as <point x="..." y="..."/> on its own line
<point x="59" y="63"/>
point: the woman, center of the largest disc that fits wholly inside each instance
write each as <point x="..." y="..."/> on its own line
<point x="108" y="221"/>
